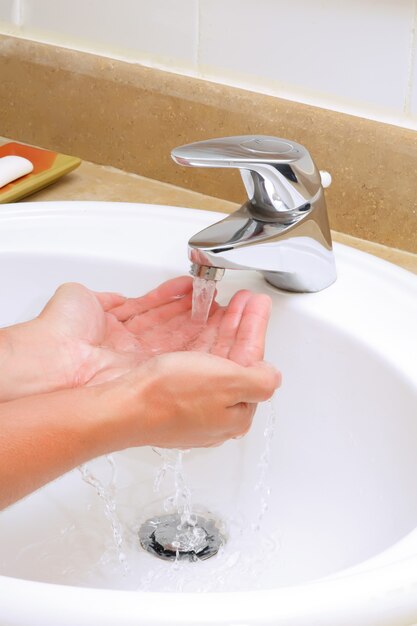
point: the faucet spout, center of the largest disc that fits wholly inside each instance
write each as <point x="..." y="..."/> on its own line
<point x="282" y="230"/>
<point x="206" y="272"/>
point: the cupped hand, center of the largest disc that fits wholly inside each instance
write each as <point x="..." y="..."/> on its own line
<point x="206" y="394"/>
<point x="85" y="338"/>
<point x="187" y="400"/>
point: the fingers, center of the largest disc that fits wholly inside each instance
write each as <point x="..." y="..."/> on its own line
<point x="238" y="331"/>
<point x="175" y="316"/>
<point x="237" y="423"/>
<point x="257" y="383"/>
<point x="167" y="292"/>
<point x="174" y="335"/>
<point x="229" y="324"/>
<point x="159" y="315"/>
<point x="109" y="300"/>
<point x="249" y="343"/>
<point x="241" y="417"/>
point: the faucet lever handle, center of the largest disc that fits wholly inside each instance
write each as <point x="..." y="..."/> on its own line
<point x="279" y="175"/>
<point x="238" y="151"/>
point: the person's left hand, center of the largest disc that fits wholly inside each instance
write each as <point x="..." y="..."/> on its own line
<point x="85" y="338"/>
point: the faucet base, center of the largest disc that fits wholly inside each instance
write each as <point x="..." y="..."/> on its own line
<point x="287" y="281"/>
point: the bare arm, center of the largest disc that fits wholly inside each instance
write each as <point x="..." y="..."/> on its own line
<point x="166" y="402"/>
<point x="44" y="436"/>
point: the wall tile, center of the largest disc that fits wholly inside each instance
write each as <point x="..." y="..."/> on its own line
<point x="162" y="29"/>
<point x="411" y="105"/>
<point x="355" y="51"/>
<point x="349" y="55"/>
<point x="6" y="10"/>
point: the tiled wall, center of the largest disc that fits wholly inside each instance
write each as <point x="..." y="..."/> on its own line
<point x="356" y="56"/>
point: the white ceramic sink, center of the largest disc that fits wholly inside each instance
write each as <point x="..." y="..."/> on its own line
<point x="338" y="544"/>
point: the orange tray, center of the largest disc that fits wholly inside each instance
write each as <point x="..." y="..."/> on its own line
<point x="48" y="166"/>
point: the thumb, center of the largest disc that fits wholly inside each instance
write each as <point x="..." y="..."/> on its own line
<point x="74" y="309"/>
<point x="258" y="382"/>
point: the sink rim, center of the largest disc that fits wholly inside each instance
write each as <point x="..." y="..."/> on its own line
<point x="353" y="596"/>
<point x="352" y="592"/>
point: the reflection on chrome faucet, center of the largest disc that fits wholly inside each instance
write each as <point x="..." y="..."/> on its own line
<point x="282" y="230"/>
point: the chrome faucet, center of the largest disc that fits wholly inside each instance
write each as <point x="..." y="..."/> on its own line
<point x="282" y="230"/>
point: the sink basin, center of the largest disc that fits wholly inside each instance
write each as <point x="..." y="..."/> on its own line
<point x="338" y="541"/>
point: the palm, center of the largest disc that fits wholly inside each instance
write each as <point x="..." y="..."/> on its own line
<point x="105" y="335"/>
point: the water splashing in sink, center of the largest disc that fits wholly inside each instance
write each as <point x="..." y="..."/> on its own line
<point x="181" y="535"/>
<point x="106" y="495"/>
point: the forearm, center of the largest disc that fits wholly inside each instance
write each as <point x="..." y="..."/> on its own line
<point x="42" y="437"/>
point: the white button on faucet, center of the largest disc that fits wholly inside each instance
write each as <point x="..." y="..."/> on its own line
<point x="326" y="179"/>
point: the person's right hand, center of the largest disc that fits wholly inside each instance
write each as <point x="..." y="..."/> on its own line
<point x="207" y="394"/>
<point x="185" y="400"/>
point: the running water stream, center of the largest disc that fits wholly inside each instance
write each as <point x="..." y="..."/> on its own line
<point x="203" y="295"/>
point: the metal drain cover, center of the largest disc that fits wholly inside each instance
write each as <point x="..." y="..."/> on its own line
<point x="165" y="537"/>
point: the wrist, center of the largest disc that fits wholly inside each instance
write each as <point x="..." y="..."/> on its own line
<point x="101" y="412"/>
<point x="14" y="379"/>
<point x="132" y="408"/>
<point x="29" y="365"/>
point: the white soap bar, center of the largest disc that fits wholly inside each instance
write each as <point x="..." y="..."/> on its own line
<point x="12" y="167"/>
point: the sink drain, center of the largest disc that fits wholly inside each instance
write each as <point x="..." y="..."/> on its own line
<point x="166" y="538"/>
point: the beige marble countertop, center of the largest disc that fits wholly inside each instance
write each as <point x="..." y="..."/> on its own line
<point x="97" y="182"/>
